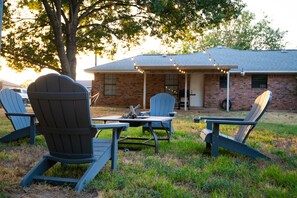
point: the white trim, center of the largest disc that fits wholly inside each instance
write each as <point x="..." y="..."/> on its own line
<point x="262" y="72"/>
<point x="186" y="92"/>
<point x="231" y="72"/>
<point x="108" y="71"/>
<point x="228" y="92"/>
<point x="144" y="90"/>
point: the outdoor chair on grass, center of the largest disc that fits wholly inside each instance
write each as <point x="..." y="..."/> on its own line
<point x="214" y="139"/>
<point x="62" y="108"/>
<point x="161" y="104"/>
<point x="22" y="122"/>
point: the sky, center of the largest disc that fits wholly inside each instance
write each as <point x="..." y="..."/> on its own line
<point x="282" y="15"/>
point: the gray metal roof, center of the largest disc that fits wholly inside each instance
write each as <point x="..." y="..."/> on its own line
<point x="248" y="60"/>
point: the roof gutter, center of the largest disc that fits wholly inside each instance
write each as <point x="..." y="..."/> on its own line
<point x="108" y="71"/>
<point x="263" y="72"/>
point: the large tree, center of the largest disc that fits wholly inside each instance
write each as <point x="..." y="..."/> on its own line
<point x="240" y="33"/>
<point x="50" y="33"/>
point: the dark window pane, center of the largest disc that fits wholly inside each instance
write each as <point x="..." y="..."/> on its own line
<point x="259" y="81"/>
<point x="109" y="85"/>
<point x="171" y="83"/>
<point x="223" y="82"/>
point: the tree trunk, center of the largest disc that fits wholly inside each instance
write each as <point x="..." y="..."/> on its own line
<point x="71" y="56"/>
<point x="71" y="41"/>
<point x="66" y="51"/>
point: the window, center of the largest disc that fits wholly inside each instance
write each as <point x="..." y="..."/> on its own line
<point x="223" y="82"/>
<point x="110" y="85"/>
<point x="171" y="83"/>
<point x="259" y="81"/>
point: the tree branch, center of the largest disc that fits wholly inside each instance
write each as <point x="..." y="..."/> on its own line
<point x="30" y="60"/>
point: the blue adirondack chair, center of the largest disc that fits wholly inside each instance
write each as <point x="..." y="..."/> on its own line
<point x="22" y="122"/>
<point x="62" y="108"/>
<point x="161" y="104"/>
<point x="214" y="139"/>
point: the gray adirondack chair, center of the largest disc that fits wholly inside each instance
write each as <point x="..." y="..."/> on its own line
<point x="214" y="139"/>
<point x="22" y="122"/>
<point x="161" y="104"/>
<point x="62" y="108"/>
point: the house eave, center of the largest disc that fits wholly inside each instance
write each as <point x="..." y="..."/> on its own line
<point x="263" y="72"/>
<point x="110" y="71"/>
<point x="188" y="67"/>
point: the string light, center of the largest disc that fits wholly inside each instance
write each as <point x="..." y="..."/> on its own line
<point x="171" y="90"/>
<point x="215" y="64"/>
<point x="178" y="68"/>
<point x="136" y="66"/>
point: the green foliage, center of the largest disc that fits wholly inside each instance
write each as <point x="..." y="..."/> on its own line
<point x="239" y="33"/>
<point x="49" y="34"/>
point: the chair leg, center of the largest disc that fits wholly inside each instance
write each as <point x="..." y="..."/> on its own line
<point x="15" y="135"/>
<point x="215" y="141"/>
<point x="245" y="150"/>
<point x="91" y="172"/>
<point x="114" y="148"/>
<point x="144" y="129"/>
<point x="214" y="150"/>
<point x="208" y="147"/>
<point x="38" y="170"/>
<point x="32" y="131"/>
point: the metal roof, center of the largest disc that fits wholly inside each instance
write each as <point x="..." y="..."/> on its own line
<point x="246" y="60"/>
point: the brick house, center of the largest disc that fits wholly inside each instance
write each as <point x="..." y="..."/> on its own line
<point x="211" y="78"/>
<point x="5" y="84"/>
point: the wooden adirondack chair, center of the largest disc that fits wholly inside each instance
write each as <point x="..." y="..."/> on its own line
<point x="214" y="139"/>
<point x="62" y="108"/>
<point x="161" y="104"/>
<point x="22" y="122"/>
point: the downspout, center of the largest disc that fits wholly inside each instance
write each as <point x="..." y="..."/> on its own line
<point x="228" y="90"/>
<point x="144" y="90"/>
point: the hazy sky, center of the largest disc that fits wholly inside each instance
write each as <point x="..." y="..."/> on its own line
<point x="283" y="15"/>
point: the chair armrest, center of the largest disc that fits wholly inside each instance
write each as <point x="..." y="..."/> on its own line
<point x="231" y="122"/>
<point x="32" y="116"/>
<point x="117" y="128"/>
<point x="20" y="114"/>
<point x="172" y="114"/>
<point x="197" y="120"/>
<point x="144" y="113"/>
<point x="125" y="126"/>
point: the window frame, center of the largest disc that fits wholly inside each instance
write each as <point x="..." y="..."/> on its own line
<point x="110" y="85"/>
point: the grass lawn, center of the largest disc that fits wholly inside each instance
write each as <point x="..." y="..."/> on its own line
<point x="180" y="169"/>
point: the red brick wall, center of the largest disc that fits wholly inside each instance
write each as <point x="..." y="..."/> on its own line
<point x="242" y="96"/>
<point x="129" y="90"/>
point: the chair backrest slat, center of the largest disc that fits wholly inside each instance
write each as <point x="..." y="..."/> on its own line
<point x="161" y="104"/>
<point x="259" y="107"/>
<point x="62" y="108"/>
<point x="12" y="102"/>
